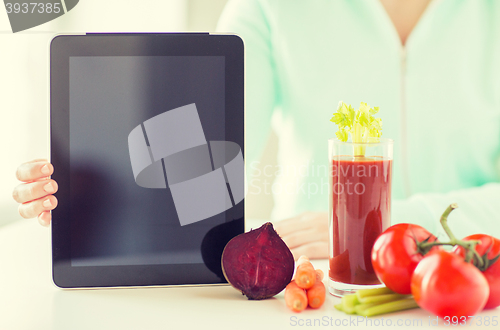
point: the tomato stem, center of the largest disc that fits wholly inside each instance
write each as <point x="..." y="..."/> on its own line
<point x="444" y="222"/>
<point x="469" y="246"/>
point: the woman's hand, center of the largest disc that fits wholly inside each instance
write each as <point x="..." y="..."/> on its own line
<point x="35" y="193"/>
<point x="305" y="234"/>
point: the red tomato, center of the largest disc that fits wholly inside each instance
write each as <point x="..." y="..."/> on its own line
<point x="490" y="246"/>
<point x="395" y="255"/>
<point x="444" y="284"/>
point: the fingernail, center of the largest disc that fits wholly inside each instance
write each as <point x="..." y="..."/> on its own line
<point x="48" y="188"/>
<point x="42" y="222"/>
<point x="45" y="169"/>
<point x="47" y="203"/>
<point x="44" y="218"/>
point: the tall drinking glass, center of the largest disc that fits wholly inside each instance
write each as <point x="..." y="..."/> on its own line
<point x="360" y="210"/>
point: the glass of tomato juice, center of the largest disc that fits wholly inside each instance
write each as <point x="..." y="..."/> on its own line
<point x="360" y="210"/>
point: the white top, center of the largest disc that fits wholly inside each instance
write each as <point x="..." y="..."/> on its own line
<point x="439" y="100"/>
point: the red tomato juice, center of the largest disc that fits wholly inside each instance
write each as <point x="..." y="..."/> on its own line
<point x="361" y="208"/>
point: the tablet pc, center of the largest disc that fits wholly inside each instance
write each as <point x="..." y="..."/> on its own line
<point x="147" y="145"/>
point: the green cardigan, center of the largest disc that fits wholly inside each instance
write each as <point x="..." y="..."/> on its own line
<point x="439" y="99"/>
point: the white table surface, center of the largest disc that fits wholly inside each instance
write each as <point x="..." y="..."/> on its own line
<point x="29" y="300"/>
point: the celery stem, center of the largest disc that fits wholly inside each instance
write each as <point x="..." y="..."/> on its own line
<point x="390" y="307"/>
<point x="372" y="292"/>
<point x="362" y="307"/>
<point x="357" y="137"/>
<point x="348" y="303"/>
<point x="382" y="298"/>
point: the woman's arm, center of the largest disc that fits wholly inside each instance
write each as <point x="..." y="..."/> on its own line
<point x="478" y="212"/>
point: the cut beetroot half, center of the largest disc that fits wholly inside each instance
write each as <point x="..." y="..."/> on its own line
<point x="258" y="263"/>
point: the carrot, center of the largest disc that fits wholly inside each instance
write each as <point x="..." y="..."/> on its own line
<point x="295" y="297"/>
<point x="305" y="276"/>
<point x="320" y="274"/>
<point x="302" y="259"/>
<point x="317" y="293"/>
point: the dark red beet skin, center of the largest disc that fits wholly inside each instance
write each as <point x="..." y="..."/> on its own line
<point x="258" y="263"/>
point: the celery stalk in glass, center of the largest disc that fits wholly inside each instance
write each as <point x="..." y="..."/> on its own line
<point x="361" y="124"/>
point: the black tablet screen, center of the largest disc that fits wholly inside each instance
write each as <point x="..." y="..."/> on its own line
<point x="143" y="132"/>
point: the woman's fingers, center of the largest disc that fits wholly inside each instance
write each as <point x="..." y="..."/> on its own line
<point x="35" y="193"/>
<point x="301" y="222"/>
<point x="314" y="250"/>
<point x="35" y="190"/>
<point x="302" y="237"/>
<point x="305" y="234"/>
<point x="34" y="208"/>
<point x="34" y="170"/>
<point x="44" y="218"/>
<point x="305" y="228"/>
